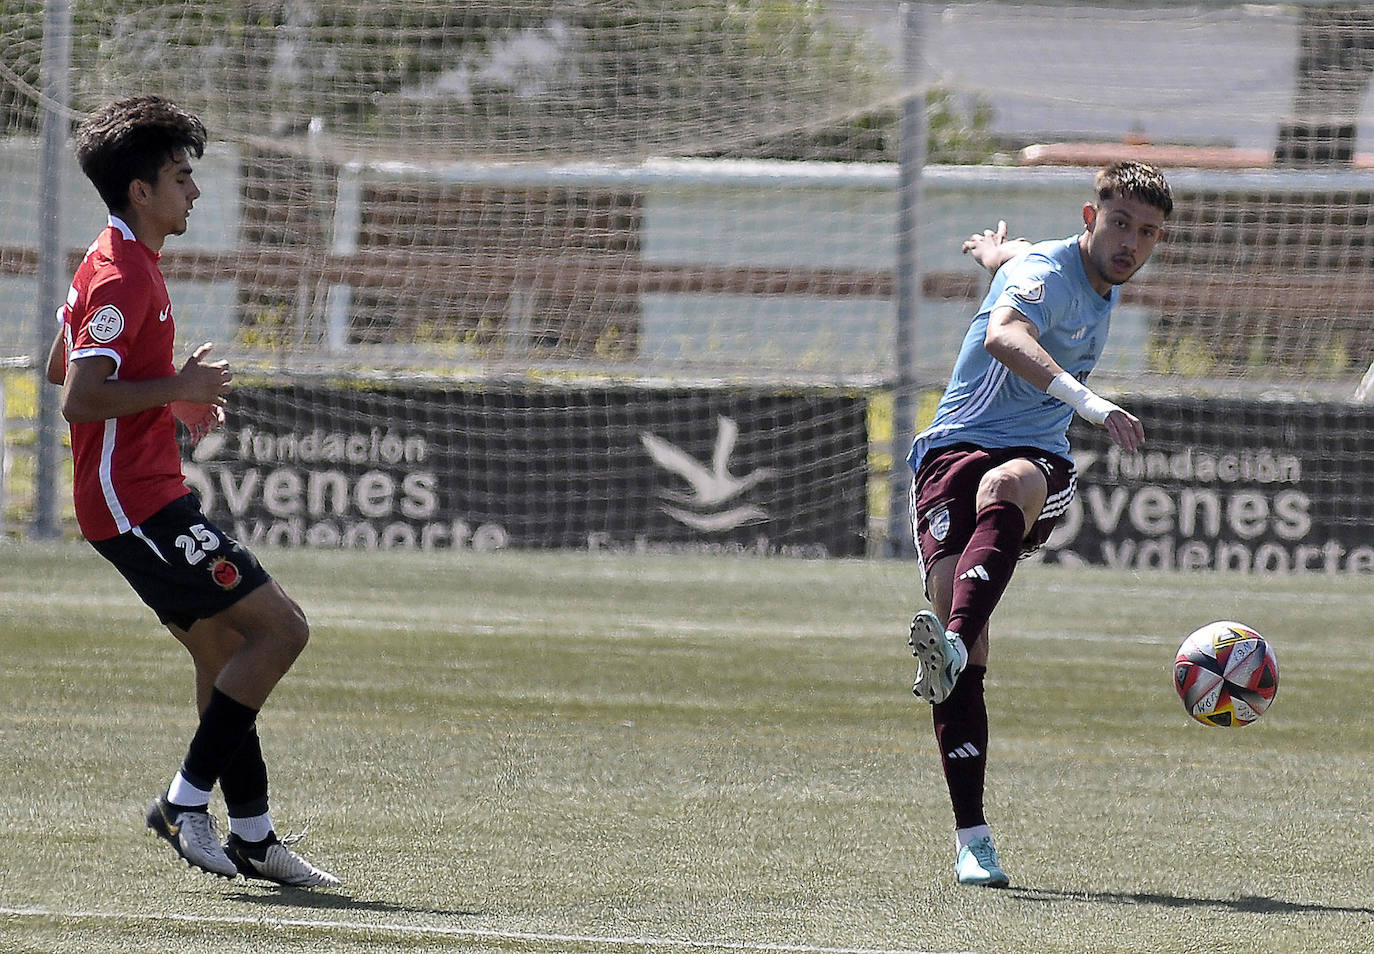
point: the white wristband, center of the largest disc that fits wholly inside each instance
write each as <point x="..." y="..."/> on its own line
<point x="1081" y="398"/>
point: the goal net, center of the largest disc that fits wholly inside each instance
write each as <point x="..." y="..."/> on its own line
<point x="626" y="274"/>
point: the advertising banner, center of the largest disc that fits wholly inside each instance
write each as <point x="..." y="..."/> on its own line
<point x="600" y="468"/>
<point x="1226" y="485"/>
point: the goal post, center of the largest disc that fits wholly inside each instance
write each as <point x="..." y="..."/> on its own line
<point x="671" y="236"/>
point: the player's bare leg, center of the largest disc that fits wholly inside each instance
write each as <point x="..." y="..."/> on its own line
<point x="273" y="633"/>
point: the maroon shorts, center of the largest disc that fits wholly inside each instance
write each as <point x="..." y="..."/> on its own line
<point x="944" y="491"/>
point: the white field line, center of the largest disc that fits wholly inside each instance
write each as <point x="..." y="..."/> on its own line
<point x="533" y="937"/>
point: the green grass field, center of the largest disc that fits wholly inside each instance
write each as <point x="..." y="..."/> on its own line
<point x="562" y="752"/>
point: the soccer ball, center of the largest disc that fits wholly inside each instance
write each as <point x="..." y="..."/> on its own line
<point x="1226" y="674"/>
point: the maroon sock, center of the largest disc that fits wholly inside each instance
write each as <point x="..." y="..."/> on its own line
<point x="961" y="732"/>
<point x="985" y="568"/>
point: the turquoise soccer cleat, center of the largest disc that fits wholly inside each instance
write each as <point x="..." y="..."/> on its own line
<point x="939" y="661"/>
<point x="977" y="864"/>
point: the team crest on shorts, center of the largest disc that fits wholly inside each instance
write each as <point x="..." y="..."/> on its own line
<point x="938" y="522"/>
<point x="225" y="573"/>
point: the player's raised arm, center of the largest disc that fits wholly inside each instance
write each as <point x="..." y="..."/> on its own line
<point x="992" y="249"/>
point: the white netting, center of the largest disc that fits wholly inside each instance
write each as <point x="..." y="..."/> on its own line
<point x="710" y="187"/>
<point x="708" y="191"/>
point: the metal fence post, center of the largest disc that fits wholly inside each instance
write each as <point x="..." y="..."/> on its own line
<point x="57" y="57"/>
<point x="911" y="155"/>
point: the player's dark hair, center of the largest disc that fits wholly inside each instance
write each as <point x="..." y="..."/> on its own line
<point x="133" y="139"/>
<point x="1136" y="180"/>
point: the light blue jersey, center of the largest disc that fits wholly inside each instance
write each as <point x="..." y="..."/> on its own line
<point x="987" y="405"/>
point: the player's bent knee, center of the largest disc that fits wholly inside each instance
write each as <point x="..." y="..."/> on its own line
<point x="294" y="631"/>
<point x="268" y="616"/>
<point x="1025" y="490"/>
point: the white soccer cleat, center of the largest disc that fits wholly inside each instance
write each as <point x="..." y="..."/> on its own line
<point x="193" y="834"/>
<point x="938" y="658"/>
<point x="977" y="864"/>
<point x="272" y="860"/>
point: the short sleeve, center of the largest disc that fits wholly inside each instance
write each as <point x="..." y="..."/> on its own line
<point x="1033" y="288"/>
<point x="114" y="312"/>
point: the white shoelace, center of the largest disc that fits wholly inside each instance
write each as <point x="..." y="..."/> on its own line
<point x="204" y="835"/>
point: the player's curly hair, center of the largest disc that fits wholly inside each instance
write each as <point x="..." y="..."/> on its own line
<point x="1137" y="180"/>
<point x="132" y="139"/>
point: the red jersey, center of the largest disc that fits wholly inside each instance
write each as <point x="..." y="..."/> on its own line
<point x="126" y="468"/>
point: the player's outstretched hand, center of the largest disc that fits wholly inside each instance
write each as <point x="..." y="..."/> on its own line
<point x="992" y="249"/>
<point x="1125" y="430"/>
<point x="976" y="242"/>
<point x="205" y="382"/>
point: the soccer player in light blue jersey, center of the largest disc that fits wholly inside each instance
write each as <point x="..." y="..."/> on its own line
<point x="993" y="471"/>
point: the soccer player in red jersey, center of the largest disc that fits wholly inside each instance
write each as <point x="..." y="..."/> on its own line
<point x="122" y="395"/>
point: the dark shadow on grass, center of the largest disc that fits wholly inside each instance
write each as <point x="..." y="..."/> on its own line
<point x="1248" y="904"/>
<point x="336" y="900"/>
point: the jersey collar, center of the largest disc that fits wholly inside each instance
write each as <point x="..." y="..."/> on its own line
<point x="115" y="222"/>
<point x="122" y="227"/>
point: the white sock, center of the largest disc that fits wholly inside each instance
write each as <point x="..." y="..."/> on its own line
<point x="253" y="828"/>
<point x="967" y="836"/>
<point x="182" y="792"/>
<point x="963" y="650"/>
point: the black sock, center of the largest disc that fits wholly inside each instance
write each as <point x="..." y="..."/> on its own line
<point x="243" y="781"/>
<point x="224" y="725"/>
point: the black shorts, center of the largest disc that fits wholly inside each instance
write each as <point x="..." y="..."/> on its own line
<point x="182" y="565"/>
<point x="945" y="490"/>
